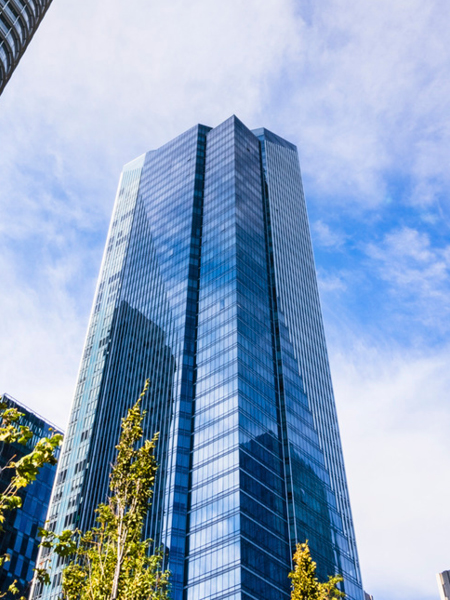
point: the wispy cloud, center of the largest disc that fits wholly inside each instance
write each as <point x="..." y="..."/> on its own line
<point x="371" y="94"/>
<point x="324" y="235"/>
<point x="42" y="329"/>
<point x="394" y="422"/>
<point x="330" y="284"/>
<point x="363" y="89"/>
<point x="416" y="271"/>
<point x="360" y="86"/>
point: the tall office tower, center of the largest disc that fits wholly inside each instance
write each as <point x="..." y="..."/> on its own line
<point x="19" y="20"/>
<point x="443" y="580"/>
<point x="19" y="536"/>
<point x="208" y="288"/>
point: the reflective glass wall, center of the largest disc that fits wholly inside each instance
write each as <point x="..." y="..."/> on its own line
<point x="320" y="507"/>
<point x="208" y="289"/>
<point x="19" y="20"/>
<point x="19" y="535"/>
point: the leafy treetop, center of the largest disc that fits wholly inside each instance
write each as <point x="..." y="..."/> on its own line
<point x="111" y="561"/>
<point x="26" y="469"/>
<point x="305" y="585"/>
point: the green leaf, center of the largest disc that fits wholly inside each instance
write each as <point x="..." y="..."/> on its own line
<point x="305" y="585"/>
<point x="111" y="561"/>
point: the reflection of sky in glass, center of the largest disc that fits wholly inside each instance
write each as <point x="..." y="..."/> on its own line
<point x="19" y="535"/>
<point x="208" y="288"/>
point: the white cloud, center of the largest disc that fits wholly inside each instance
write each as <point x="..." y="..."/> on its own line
<point x="362" y="88"/>
<point x="146" y="72"/>
<point x="323" y="235"/>
<point x="417" y="272"/>
<point x="331" y="284"/>
<point x="42" y="330"/>
<point x="394" y="417"/>
<point x="370" y="98"/>
<point x="95" y="89"/>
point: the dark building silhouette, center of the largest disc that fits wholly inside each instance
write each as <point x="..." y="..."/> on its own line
<point x="443" y="580"/>
<point x="19" y="20"/>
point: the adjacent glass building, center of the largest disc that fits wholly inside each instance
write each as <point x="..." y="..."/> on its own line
<point x="208" y="288"/>
<point x="19" y="20"/>
<point x="19" y="535"/>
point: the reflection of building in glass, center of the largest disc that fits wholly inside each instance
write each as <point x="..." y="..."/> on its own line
<point x="443" y="580"/>
<point x="133" y="344"/>
<point x="208" y="288"/>
<point x="19" y="20"/>
<point x="19" y="537"/>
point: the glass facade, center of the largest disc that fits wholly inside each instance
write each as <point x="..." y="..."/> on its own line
<point x="19" y="537"/>
<point x="19" y="20"/>
<point x="208" y="288"/>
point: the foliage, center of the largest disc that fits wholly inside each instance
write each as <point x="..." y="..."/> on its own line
<point x="111" y="561"/>
<point x="305" y="585"/>
<point x="25" y="469"/>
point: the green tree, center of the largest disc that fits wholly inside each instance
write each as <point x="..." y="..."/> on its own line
<point x="305" y="585"/>
<point x="111" y="561"/>
<point x="24" y="470"/>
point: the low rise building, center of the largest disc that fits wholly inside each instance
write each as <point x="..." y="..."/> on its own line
<point x="19" y="537"/>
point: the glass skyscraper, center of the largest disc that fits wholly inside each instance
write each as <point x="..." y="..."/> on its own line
<point x="19" y="20"/>
<point x="208" y="288"/>
<point x="19" y="533"/>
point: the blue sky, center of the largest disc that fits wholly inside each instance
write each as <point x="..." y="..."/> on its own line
<point x="363" y="89"/>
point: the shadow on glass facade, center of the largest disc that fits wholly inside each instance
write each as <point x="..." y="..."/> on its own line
<point x="208" y="288"/>
<point x="19" y="537"/>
